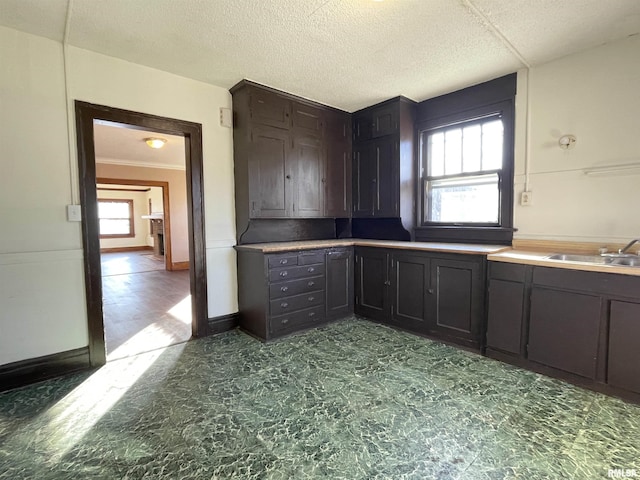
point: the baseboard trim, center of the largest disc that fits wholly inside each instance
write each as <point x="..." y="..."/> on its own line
<point x="223" y="323"/>
<point x="126" y="249"/>
<point x="33" y="370"/>
<point x="179" y="266"/>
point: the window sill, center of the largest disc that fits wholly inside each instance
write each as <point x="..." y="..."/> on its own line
<point x="453" y="234"/>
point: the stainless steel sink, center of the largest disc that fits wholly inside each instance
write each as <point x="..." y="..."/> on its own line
<point x="569" y="257"/>
<point x="626" y="261"/>
<point x="623" y="260"/>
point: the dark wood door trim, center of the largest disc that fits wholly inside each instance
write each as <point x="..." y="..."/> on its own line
<point x="168" y="261"/>
<point x="86" y="113"/>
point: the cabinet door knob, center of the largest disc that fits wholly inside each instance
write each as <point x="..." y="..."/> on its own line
<point x="284" y="304"/>
<point x="311" y="314"/>
<point x="284" y="289"/>
<point x="288" y="177"/>
<point x="311" y="299"/>
<point x="430" y="291"/>
<point x="311" y="270"/>
<point x="285" y="320"/>
<point x="284" y="274"/>
<point x="311" y="284"/>
<point x="284" y="261"/>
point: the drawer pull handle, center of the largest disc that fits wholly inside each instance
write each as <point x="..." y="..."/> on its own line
<point x="285" y="320"/>
<point x="284" y="289"/>
<point x="311" y="299"/>
<point x="284" y="274"/>
<point x="284" y="304"/>
<point x="430" y="291"/>
<point x="311" y="269"/>
<point x="311" y="284"/>
<point x="312" y="314"/>
<point x="284" y="261"/>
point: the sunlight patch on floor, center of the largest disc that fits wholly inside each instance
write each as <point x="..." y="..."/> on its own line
<point x="67" y="422"/>
<point x="182" y="310"/>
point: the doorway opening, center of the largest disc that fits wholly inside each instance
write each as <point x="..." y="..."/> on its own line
<point x="126" y="274"/>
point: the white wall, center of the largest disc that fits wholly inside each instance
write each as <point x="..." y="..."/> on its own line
<point x="42" y="294"/>
<point x="140" y="225"/>
<point x="594" y="95"/>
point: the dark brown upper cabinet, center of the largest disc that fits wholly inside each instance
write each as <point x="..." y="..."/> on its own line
<point x="383" y="161"/>
<point x="338" y="168"/>
<point x="292" y="157"/>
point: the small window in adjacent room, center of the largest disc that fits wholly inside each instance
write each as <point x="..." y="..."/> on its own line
<point x="463" y="170"/>
<point x="116" y="218"/>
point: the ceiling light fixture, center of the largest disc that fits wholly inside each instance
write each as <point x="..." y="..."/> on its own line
<point x="155" y="142"/>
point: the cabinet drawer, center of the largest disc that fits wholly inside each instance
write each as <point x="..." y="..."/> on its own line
<point x="296" y="321"/>
<point x="296" y="287"/>
<point x="289" y="273"/>
<point x="309" y="258"/>
<point x="512" y="272"/>
<point x="282" y="260"/>
<point x="284" y="305"/>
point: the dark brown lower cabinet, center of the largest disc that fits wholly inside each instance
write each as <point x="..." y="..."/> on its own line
<point x="339" y="275"/>
<point x="580" y="326"/>
<point x="411" y="292"/>
<point x="504" y="324"/>
<point x="440" y="295"/>
<point x="458" y="286"/>
<point x="564" y="330"/>
<point x="371" y="282"/>
<point x="624" y="346"/>
<point x="281" y="293"/>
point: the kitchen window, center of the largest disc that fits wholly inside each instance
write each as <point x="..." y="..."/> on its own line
<point x="116" y="218"/>
<point x="463" y="166"/>
<point x="465" y="170"/>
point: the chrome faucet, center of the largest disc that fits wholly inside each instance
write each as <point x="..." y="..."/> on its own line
<point x="629" y="245"/>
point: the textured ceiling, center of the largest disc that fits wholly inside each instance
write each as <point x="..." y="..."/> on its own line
<point x="117" y="144"/>
<point x="345" y="53"/>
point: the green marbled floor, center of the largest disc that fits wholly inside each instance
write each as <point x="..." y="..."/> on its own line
<point x="354" y="400"/>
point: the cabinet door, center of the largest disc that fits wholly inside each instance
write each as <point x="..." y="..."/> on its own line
<point x="386" y="177"/>
<point x="410" y="290"/>
<point x="361" y="126"/>
<point x="372" y="281"/>
<point x="338" y="185"/>
<point x="268" y="108"/>
<point x="308" y="178"/>
<point x="339" y="275"/>
<point x="364" y="180"/>
<point x="458" y="304"/>
<point x="504" y="327"/>
<point x="338" y="191"/>
<point x="624" y="353"/>
<point x="563" y="330"/>
<point x="384" y="120"/>
<point x="308" y="119"/>
<point x="269" y="173"/>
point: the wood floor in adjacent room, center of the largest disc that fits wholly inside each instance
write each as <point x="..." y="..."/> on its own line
<point x="145" y="307"/>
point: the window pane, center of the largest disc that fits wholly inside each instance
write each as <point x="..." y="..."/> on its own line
<point x="435" y="154"/>
<point x="492" y="133"/>
<point x="114" y="227"/>
<point x="471" y="148"/>
<point x="464" y="200"/>
<point x="113" y="210"/>
<point x="453" y="151"/>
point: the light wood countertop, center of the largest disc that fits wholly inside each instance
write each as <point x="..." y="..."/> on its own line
<point x="469" y="249"/>
<point x="539" y="259"/>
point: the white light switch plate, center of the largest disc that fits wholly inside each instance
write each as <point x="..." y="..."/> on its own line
<point x="74" y="213"/>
